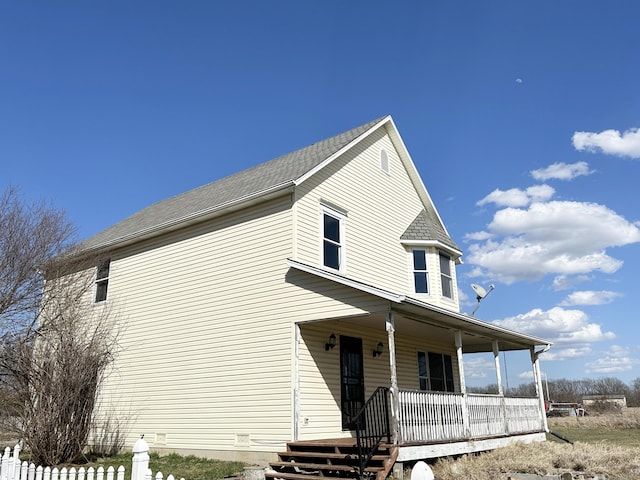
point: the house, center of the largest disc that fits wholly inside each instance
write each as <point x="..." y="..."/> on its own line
<point x="308" y="302"/>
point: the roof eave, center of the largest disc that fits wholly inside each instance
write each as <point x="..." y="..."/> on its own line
<point x="402" y="302"/>
<point x="434" y="243"/>
<point x="197" y="217"/>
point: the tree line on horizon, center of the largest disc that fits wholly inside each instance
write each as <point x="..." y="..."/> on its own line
<point x="572" y="391"/>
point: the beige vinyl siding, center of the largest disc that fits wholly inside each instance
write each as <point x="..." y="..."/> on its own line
<point x="205" y="358"/>
<point x="379" y="209"/>
<point x="319" y="369"/>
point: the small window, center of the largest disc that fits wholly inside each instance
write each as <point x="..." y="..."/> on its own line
<point x="384" y="161"/>
<point x="102" y="281"/>
<point x="435" y="372"/>
<point x="332" y="240"/>
<point x="445" y="275"/>
<point x="420" y="273"/>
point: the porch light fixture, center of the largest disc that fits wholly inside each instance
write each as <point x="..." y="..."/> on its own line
<point x="331" y="343"/>
<point x="378" y="351"/>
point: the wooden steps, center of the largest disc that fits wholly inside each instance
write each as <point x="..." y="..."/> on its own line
<point x="328" y="459"/>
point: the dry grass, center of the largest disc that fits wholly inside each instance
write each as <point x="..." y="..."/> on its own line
<point x="608" y="444"/>
<point x="543" y="459"/>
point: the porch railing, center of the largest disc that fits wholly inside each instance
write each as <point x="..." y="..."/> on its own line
<point x="436" y="416"/>
<point x="372" y="426"/>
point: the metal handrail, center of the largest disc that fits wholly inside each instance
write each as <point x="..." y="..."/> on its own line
<point x="372" y="425"/>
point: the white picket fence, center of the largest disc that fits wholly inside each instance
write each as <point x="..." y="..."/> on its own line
<point x="13" y="469"/>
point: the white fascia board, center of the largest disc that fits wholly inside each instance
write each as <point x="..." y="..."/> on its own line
<point x="394" y="134"/>
<point x="478" y="323"/>
<point x="402" y="299"/>
<point x="432" y="243"/>
<point x="378" y="292"/>
<point x="330" y="159"/>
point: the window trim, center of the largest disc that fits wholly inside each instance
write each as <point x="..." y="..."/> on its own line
<point x="448" y="376"/>
<point x="102" y="282"/>
<point x="340" y="216"/>
<point x="415" y="270"/>
<point x="446" y="276"/>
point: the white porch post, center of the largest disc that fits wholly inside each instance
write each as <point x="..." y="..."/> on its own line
<point x="395" y="404"/>
<point x="463" y="384"/>
<point x="296" y="384"/>
<point x="458" y="339"/>
<point x="496" y="361"/>
<point x="537" y="378"/>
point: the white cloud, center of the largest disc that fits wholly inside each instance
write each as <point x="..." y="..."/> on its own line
<point x="514" y="197"/>
<point x="610" y="142"/>
<point x="478" y="367"/>
<point x="564" y="282"/>
<point x="565" y="328"/>
<point x="477" y="236"/>
<point x="527" y="374"/>
<point x="617" y="359"/>
<point x="562" y="171"/>
<point x="590" y="297"/>
<point x="558" y="237"/>
<point x="567" y="353"/>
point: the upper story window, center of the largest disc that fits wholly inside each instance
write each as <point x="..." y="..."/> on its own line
<point x="420" y="273"/>
<point x="333" y="250"/>
<point x="102" y="281"/>
<point x="445" y="275"/>
<point x="435" y="372"/>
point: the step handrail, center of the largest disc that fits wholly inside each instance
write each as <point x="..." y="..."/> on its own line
<point x="372" y="425"/>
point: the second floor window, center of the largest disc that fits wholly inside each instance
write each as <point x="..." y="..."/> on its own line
<point x="420" y="273"/>
<point x="102" y="281"/>
<point x="332" y="240"/>
<point x="445" y="275"/>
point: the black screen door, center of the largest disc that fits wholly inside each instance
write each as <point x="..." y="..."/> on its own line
<point x="351" y="380"/>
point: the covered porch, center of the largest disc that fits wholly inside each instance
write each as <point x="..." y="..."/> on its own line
<point x="360" y="377"/>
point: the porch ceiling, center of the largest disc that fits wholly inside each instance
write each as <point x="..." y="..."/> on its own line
<point x="437" y="330"/>
<point x="420" y="319"/>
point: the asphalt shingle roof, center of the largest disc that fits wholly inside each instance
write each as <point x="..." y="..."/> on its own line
<point x="262" y="178"/>
<point x="427" y="227"/>
<point x="247" y="183"/>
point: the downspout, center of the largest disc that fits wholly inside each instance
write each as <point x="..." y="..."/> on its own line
<point x="395" y="404"/>
<point x="535" y="360"/>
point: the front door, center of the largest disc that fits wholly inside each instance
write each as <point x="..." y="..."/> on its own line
<point x="351" y="380"/>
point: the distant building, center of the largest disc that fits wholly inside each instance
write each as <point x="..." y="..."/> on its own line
<point x="617" y="400"/>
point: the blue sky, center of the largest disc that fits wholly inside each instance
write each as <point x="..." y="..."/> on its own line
<point x="522" y="117"/>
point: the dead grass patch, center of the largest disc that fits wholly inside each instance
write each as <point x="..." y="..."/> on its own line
<point x="543" y="459"/>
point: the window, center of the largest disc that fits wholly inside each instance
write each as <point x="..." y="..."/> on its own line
<point x="435" y="372"/>
<point x="102" y="281"/>
<point x="445" y="275"/>
<point x="332" y="240"/>
<point x="420" y="273"/>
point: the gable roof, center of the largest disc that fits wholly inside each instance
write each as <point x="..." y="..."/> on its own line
<point x="272" y="177"/>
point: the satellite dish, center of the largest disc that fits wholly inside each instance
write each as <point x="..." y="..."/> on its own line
<point x="481" y="293"/>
